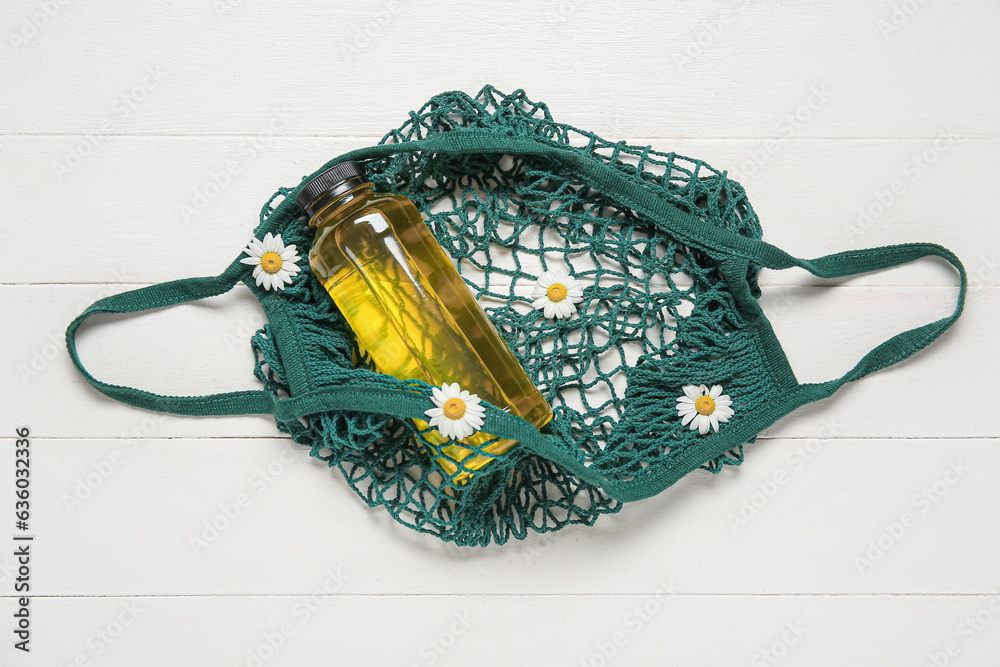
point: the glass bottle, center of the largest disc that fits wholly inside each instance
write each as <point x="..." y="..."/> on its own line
<point x="409" y="308"/>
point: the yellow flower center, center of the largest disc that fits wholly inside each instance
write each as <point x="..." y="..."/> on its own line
<point x="705" y="405"/>
<point x="556" y="292"/>
<point x="454" y="408"/>
<point x="270" y="262"/>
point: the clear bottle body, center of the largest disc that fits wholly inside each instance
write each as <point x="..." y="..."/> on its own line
<point x="414" y="316"/>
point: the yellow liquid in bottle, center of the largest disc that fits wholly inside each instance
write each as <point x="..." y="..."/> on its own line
<point x="412" y="313"/>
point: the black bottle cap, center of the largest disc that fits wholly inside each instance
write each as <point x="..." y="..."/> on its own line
<point x="336" y="180"/>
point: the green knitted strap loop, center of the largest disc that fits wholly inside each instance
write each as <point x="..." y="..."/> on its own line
<point x="904" y="344"/>
<point x="258" y="401"/>
<point x="853" y="262"/>
<point x="157" y="296"/>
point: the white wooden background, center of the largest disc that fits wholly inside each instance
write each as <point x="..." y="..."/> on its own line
<point x="117" y="116"/>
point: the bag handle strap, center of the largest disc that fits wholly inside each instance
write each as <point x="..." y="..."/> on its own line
<point x="158" y="296"/>
<point x="853" y="262"/>
<point x="244" y="402"/>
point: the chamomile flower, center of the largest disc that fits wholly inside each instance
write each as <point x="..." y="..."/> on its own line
<point x="457" y="413"/>
<point x="275" y="262"/>
<point x="704" y="408"/>
<point x="556" y="294"/>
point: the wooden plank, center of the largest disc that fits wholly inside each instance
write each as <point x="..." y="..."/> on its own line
<point x="700" y="69"/>
<point x="186" y="206"/>
<point x="193" y="516"/>
<point x="647" y="629"/>
<point x="204" y="347"/>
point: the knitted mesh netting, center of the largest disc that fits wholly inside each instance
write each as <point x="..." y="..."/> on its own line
<point x="656" y="315"/>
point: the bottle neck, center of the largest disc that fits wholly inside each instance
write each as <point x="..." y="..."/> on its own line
<point x="337" y="197"/>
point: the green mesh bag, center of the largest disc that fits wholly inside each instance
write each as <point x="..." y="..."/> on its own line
<point x="668" y="250"/>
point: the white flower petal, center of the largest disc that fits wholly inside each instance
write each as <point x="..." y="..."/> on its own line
<point x="434" y="413"/>
<point x="686" y="400"/>
<point x="437" y="395"/>
<point x="258" y="247"/>
<point x="715" y="422"/>
<point x="259" y="275"/>
<point x="459" y="429"/>
<point x="716" y="390"/>
<point x="691" y="391"/>
<point x="688" y="417"/>
<point x="564" y="309"/>
<point x="703" y="390"/>
<point x="540" y="302"/>
<point x="250" y="260"/>
<point x="703" y="424"/>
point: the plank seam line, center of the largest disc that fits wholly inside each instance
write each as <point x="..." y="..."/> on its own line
<point x="989" y="593"/>
<point x="989" y="136"/>
<point x="763" y="285"/>
<point x="287" y="439"/>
